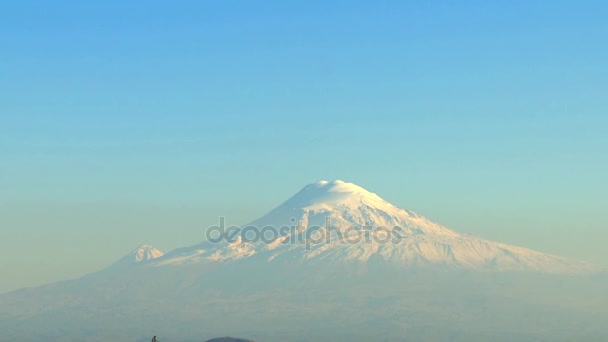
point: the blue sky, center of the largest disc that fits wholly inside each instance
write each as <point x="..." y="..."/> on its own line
<point x="123" y="124"/>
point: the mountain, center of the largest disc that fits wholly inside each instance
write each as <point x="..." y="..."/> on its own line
<point x="333" y="262"/>
<point x="338" y="222"/>
<point x="139" y="256"/>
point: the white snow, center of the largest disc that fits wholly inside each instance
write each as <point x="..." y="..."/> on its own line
<point x="349" y="207"/>
<point x="138" y="255"/>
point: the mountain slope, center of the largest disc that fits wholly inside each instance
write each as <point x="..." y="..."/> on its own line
<point x="339" y="222"/>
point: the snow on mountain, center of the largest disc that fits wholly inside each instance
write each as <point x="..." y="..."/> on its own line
<point x="140" y="254"/>
<point x="338" y="222"/>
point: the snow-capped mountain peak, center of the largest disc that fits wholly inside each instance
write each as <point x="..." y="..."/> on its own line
<point x="382" y="231"/>
<point x="140" y="254"/>
<point x="346" y="205"/>
<point x="324" y="194"/>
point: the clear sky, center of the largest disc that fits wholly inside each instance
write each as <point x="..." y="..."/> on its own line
<point x="124" y="123"/>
